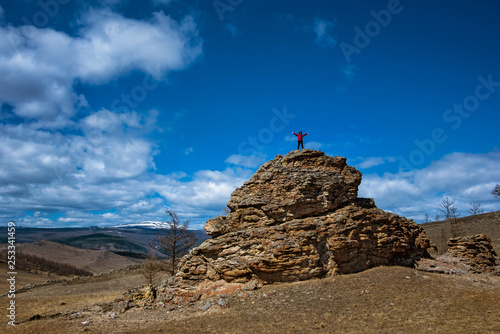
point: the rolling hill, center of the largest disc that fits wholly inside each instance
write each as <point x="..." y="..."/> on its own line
<point x="128" y="240"/>
<point x="487" y="223"/>
<point x="96" y="261"/>
<point x="103" y="241"/>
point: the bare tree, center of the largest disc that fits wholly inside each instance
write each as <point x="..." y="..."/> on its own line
<point x="447" y="208"/>
<point x="151" y="267"/>
<point x="454" y="213"/>
<point x="496" y="191"/>
<point x="437" y="217"/>
<point x="427" y="219"/>
<point x="475" y="208"/>
<point x="174" y="241"/>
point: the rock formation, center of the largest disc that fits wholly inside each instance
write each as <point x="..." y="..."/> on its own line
<point x="299" y="218"/>
<point x="466" y="254"/>
<point x="475" y="251"/>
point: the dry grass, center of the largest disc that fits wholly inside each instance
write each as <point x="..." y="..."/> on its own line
<point x="487" y="223"/>
<point x="22" y="278"/>
<point x="380" y="300"/>
<point x="96" y="261"/>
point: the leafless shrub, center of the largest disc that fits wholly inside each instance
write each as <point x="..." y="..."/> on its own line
<point x="174" y="241"/>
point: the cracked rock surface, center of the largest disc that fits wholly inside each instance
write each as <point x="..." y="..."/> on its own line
<point x="298" y="218"/>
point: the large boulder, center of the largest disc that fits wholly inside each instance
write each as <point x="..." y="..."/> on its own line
<point x="299" y="218"/>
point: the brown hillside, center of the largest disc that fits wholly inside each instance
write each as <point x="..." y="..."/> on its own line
<point x="22" y="278"/>
<point x="96" y="261"/>
<point x="380" y="300"/>
<point x="487" y="223"/>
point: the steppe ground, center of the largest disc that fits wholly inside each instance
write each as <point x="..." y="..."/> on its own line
<point x="380" y="300"/>
<point x="488" y="223"/>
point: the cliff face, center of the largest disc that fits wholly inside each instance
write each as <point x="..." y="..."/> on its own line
<point x="298" y="218"/>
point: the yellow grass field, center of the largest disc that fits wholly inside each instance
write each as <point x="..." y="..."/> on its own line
<point x="380" y="300"/>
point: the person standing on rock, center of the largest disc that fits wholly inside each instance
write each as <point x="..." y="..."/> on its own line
<point x="300" y="139"/>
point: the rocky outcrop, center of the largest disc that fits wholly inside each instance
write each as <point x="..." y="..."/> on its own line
<point x="302" y="183"/>
<point x="475" y="251"/>
<point x="467" y="254"/>
<point x="299" y="218"/>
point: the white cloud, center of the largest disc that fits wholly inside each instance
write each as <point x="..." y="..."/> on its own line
<point x="205" y="195"/>
<point x="374" y="161"/>
<point x="108" y="121"/>
<point x="38" y="70"/>
<point x="81" y="169"/>
<point x="322" y="28"/>
<point x="112" y="44"/>
<point x="118" y="159"/>
<point x="249" y="161"/>
<point x="36" y="89"/>
<point x="107" y="165"/>
<point x="313" y="145"/>
<point x="463" y="177"/>
<point x="50" y="169"/>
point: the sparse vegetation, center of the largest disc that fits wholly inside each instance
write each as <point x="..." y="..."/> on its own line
<point x="496" y="191"/>
<point x="95" y="261"/>
<point x="104" y="241"/>
<point x="379" y="300"/>
<point x="447" y="209"/>
<point x="384" y="299"/>
<point x="35" y="264"/>
<point x="151" y="268"/>
<point x="174" y="241"/>
<point x="475" y="208"/>
<point x="440" y="231"/>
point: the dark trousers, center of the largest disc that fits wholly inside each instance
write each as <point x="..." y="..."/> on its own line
<point x="300" y="143"/>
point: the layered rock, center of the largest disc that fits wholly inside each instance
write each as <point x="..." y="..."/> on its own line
<point x="466" y="254"/>
<point x="300" y="184"/>
<point x="475" y="251"/>
<point x="299" y="218"/>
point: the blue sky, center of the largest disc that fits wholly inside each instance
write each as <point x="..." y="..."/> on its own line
<point x="113" y="110"/>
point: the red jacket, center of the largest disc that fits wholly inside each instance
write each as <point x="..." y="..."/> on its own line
<point x="300" y="136"/>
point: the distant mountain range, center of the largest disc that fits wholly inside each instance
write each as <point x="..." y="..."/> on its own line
<point x="130" y="240"/>
<point x="147" y="224"/>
